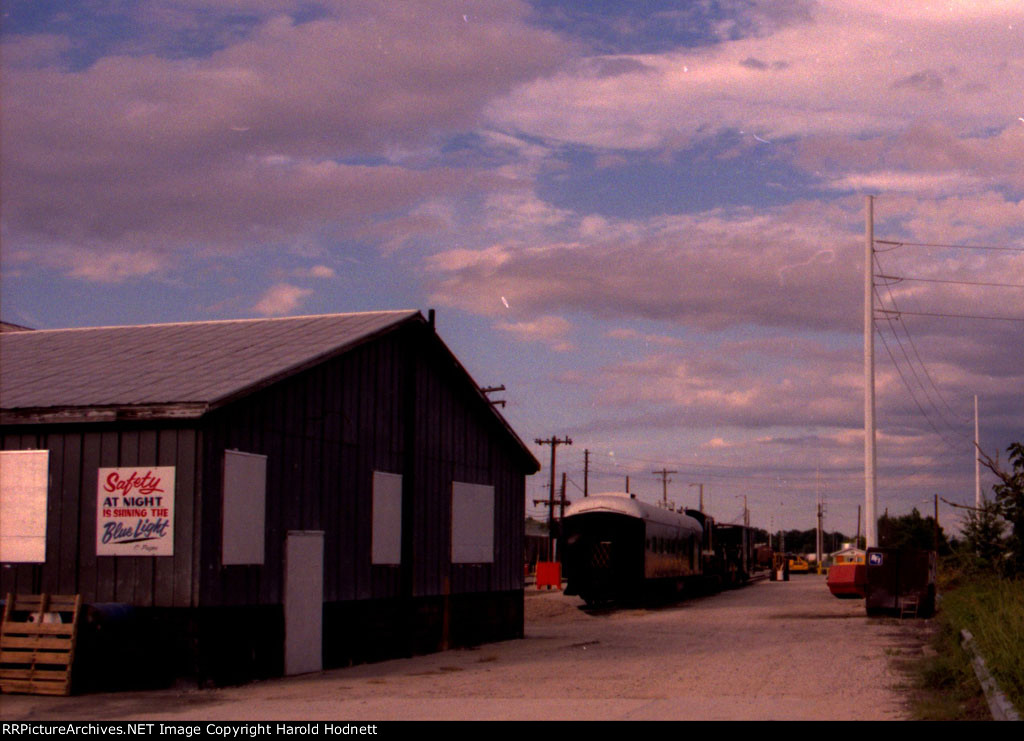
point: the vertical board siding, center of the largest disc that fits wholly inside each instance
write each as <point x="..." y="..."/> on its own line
<point x="77" y="452"/>
<point x="106" y="566"/>
<point x="54" y="512"/>
<point x="125" y="566"/>
<point x="189" y="496"/>
<point x="71" y="530"/>
<point x="397" y="404"/>
<point x="88" y="562"/>
<point x="457" y="440"/>
<point x="163" y="569"/>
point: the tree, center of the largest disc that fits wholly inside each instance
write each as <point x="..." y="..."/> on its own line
<point x="911" y="531"/>
<point x="983" y="535"/>
<point x="805" y="541"/>
<point x="1010" y="499"/>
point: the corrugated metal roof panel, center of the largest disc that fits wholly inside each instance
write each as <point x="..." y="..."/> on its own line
<point x="169" y="363"/>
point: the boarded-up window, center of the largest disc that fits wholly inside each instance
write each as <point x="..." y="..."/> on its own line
<point x="24" y="481"/>
<point x="245" y="507"/>
<point x="472" y="523"/>
<point x="387" y="519"/>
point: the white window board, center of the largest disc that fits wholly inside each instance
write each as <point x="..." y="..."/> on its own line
<point x="472" y="523"/>
<point x="387" y="519"/>
<point x="243" y="525"/>
<point x="24" y="483"/>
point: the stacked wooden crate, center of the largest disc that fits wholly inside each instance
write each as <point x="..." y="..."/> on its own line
<point x="37" y="643"/>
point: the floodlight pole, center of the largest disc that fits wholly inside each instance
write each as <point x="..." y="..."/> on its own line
<point x="870" y="478"/>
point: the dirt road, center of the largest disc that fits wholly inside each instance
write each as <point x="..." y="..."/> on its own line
<point x="783" y="650"/>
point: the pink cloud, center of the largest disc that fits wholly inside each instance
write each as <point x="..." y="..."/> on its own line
<point x="320" y="271"/>
<point x="281" y="299"/>
<point x="798" y="266"/>
<point x="927" y="158"/>
<point x="42" y="49"/>
<point x="705" y="270"/>
<point x="817" y="74"/>
<point x="550" y="330"/>
<point x="247" y="145"/>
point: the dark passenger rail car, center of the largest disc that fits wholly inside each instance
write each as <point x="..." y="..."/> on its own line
<point x="620" y="549"/>
<point x="604" y="556"/>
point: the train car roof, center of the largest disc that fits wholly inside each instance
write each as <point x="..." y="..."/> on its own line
<point x="622" y="503"/>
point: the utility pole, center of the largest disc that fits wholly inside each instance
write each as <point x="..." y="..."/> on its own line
<point x="490" y="390"/>
<point x="977" y="469"/>
<point x="700" y="501"/>
<point x="561" y="511"/>
<point x="817" y="540"/>
<point x="870" y="479"/>
<point x="586" y="471"/>
<point x="664" y="484"/>
<point x="554" y="442"/>
<point x="627" y="484"/>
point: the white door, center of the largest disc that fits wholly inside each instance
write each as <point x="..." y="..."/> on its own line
<point x="303" y="601"/>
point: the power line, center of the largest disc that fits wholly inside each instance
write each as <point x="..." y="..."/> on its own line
<point x="960" y="316"/>
<point x="924" y="367"/>
<point x="704" y="470"/>
<point x="949" y="246"/>
<point x="912" y="395"/>
<point x="575" y="484"/>
<point x="932" y="452"/>
<point x="714" y="470"/>
<point x="901" y="278"/>
<point x="910" y="364"/>
<point x="731" y="474"/>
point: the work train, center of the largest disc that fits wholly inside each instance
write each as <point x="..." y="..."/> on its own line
<point x="619" y="549"/>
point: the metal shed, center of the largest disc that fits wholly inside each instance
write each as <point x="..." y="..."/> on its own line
<point x="355" y="439"/>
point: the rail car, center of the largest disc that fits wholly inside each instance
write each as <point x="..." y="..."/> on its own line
<point x="619" y="549"/>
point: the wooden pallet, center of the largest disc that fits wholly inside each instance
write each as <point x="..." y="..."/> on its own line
<point x="37" y="643"/>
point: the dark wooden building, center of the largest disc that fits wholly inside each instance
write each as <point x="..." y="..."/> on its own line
<point x="246" y="489"/>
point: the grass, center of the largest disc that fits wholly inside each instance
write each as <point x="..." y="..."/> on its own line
<point x="993" y="610"/>
<point x="946" y="688"/>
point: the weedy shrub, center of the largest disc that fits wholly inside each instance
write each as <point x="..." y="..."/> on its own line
<point x="946" y="688"/>
<point x="993" y="610"/>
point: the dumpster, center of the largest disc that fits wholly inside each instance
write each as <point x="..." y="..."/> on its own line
<point x="846" y="580"/>
<point x="900" y="581"/>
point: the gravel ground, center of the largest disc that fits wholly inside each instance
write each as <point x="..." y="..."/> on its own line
<point x="772" y="650"/>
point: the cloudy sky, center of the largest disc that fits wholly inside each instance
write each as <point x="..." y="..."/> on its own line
<point x="644" y="219"/>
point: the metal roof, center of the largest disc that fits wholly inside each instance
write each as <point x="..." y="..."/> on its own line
<point x="190" y="363"/>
